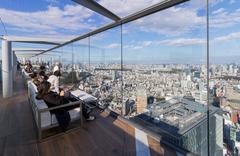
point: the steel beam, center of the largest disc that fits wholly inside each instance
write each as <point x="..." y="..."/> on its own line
<point x="49" y="41"/>
<point x="28" y="49"/>
<point x="94" y="6"/>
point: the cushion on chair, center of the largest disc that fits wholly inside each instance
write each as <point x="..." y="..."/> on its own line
<point x="45" y="116"/>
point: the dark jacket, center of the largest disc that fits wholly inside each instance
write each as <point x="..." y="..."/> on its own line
<point x="52" y="100"/>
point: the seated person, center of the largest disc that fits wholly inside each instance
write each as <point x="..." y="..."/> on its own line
<point x="52" y="99"/>
<point x="28" y="67"/>
<point x="54" y="81"/>
<point x="56" y="67"/>
<point x="42" y="76"/>
<point x="42" y="68"/>
<point x="34" y="78"/>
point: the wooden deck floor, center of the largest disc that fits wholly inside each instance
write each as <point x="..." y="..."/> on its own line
<point x="104" y="137"/>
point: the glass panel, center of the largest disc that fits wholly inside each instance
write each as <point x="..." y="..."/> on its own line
<point x="67" y="65"/>
<point x="159" y="79"/>
<point x="224" y="75"/>
<point x="53" y="57"/>
<point x="80" y="62"/>
<point x="165" y="76"/>
<point x="27" y="51"/>
<point x="105" y="65"/>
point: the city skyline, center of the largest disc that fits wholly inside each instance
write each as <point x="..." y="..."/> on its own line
<point x="154" y="72"/>
<point x="178" y="33"/>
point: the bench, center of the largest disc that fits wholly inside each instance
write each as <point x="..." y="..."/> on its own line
<point x="43" y="118"/>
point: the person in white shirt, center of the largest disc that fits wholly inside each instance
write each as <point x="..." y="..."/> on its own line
<point x="56" y="67"/>
<point x="54" y="80"/>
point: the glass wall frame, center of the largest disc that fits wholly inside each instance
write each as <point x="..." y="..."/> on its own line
<point x="184" y="61"/>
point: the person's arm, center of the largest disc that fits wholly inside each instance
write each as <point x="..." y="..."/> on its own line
<point x="54" y="99"/>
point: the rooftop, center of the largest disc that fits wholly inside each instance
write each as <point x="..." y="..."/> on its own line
<point x="176" y="116"/>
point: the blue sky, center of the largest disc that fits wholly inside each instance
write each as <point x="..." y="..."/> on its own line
<point x="176" y="35"/>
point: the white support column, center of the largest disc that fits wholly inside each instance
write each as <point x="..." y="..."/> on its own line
<point x="7" y="69"/>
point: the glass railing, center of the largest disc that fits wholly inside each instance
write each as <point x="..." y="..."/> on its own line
<point x="154" y="72"/>
<point x="224" y="74"/>
<point x="105" y="62"/>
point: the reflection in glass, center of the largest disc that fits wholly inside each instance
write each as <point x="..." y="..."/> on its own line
<point x="105" y="65"/>
<point x="154" y="73"/>
<point x="165" y="79"/>
<point x="224" y="73"/>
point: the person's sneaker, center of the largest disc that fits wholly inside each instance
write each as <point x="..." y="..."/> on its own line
<point x="91" y="118"/>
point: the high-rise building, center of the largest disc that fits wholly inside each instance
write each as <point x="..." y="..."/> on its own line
<point x="141" y="101"/>
<point x="127" y="107"/>
<point x="183" y="123"/>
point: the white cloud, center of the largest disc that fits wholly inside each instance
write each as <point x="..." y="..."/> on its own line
<point x="183" y="42"/>
<point x="219" y="11"/>
<point x="70" y="18"/>
<point x="232" y="1"/>
<point x="52" y="1"/>
<point x="229" y="37"/>
<point x="169" y="42"/>
<point x="173" y="21"/>
<point x="133" y="46"/>
<point x="112" y="46"/>
<point x="126" y="7"/>
<point x="137" y="47"/>
<point x="225" y="19"/>
<point x="185" y="19"/>
<point x="147" y="43"/>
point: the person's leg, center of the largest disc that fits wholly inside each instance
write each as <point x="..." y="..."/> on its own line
<point x="63" y="118"/>
<point x="85" y="112"/>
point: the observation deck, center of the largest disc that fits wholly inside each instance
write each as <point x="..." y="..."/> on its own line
<point x="106" y="136"/>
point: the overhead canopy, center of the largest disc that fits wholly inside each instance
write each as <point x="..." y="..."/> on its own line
<point x="27" y="49"/>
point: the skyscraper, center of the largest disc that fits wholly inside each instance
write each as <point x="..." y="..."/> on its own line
<point x="141" y="101"/>
<point x="183" y="123"/>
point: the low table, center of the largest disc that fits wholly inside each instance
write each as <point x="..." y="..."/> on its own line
<point x="85" y="97"/>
